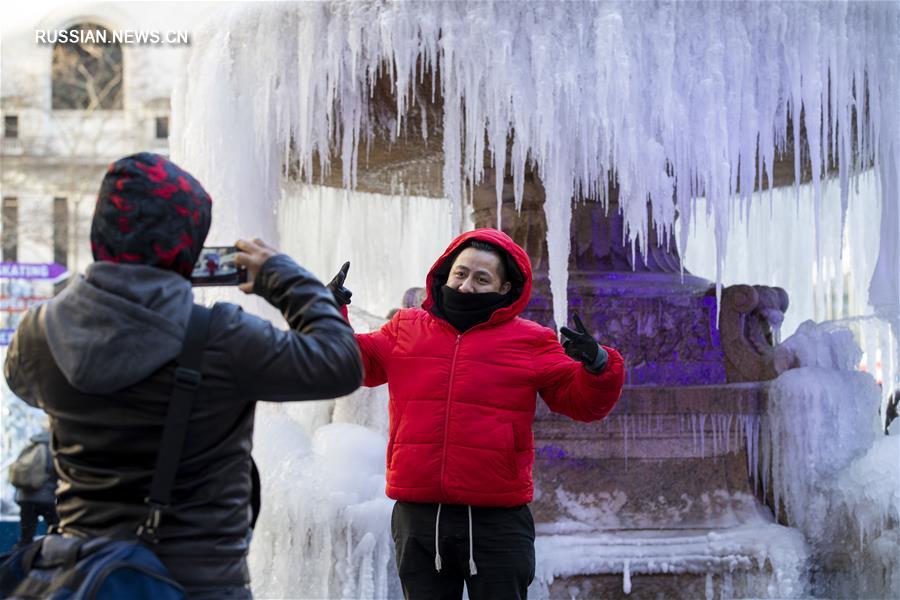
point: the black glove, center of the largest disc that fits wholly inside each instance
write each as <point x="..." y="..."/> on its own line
<point x="582" y="347"/>
<point x="336" y="285"/>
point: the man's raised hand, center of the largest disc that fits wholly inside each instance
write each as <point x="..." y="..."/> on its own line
<point x="341" y="294"/>
<point x="581" y="346"/>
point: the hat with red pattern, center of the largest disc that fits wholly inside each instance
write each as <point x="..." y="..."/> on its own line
<point x="150" y="211"/>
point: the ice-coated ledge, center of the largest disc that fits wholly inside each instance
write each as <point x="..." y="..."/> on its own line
<point x="771" y="552"/>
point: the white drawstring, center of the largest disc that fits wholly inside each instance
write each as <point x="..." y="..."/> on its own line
<point x="472" y="569"/>
<point x="437" y="552"/>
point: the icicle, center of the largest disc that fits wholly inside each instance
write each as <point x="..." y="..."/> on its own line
<point x="702" y="431"/>
<point x="683" y="119"/>
<point x="727" y="586"/>
<point x="715" y="435"/>
<point x="626" y="577"/>
<point x="558" y="209"/>
<point x="452" y="153"/>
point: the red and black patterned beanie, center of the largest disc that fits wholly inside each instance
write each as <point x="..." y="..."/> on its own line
<point x="152" y="212"/>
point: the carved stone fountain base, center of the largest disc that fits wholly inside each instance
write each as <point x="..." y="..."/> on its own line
<point x="664" y="325"/>
<point x="657" y="500"/>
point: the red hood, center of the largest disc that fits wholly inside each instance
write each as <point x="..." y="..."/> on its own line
<point x="501" y="240"/>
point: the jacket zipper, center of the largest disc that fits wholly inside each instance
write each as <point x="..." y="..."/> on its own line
<point x="447" y="412"/>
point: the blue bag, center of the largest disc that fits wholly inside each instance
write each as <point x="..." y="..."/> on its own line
<point x="58" y="567"/>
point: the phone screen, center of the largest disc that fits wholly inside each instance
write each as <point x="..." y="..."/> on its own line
<point x="216" y="266"/>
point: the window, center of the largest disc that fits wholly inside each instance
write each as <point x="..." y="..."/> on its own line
<point x="11" y="126"/>
<point x="10" y="236"/>
<point x="162" y="128"/>
<point x="61" y="231"/>
<point x="87" y="75"/>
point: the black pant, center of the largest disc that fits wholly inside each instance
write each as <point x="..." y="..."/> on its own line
<point x="28" y="519"/>
<point x="503" y="551"/>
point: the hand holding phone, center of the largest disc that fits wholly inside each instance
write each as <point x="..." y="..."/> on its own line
<point x="252" y="256"/>
<point x="217" y="265"/>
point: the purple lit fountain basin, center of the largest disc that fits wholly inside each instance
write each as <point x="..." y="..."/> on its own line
<point x="662" y="323"/>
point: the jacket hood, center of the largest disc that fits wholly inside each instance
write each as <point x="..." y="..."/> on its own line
<point x="437" y="275"/>
<point x="117" y="324"/>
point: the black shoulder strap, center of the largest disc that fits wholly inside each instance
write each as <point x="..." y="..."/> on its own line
<point x="187" y="382"/>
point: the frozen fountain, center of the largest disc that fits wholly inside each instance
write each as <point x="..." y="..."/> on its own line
<point x="707" y="478"/>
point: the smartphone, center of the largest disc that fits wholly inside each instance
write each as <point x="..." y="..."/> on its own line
<point x="216" y="266"/>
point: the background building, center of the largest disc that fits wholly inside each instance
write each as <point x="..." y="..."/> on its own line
<point x="68" y="110"/>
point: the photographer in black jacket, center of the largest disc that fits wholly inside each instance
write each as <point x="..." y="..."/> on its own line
<point x="98" y="359"/>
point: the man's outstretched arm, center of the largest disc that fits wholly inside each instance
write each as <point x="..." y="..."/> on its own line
<point x="581" y="389"/>
<point x="316" y="358"/>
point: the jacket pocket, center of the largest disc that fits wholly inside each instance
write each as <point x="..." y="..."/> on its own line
<point x="392" y="437"/>
<point x="510" y="451"/>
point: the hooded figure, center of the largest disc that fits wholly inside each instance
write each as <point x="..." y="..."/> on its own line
<point x="464" y="372"/>
<point x="99" y="359"/>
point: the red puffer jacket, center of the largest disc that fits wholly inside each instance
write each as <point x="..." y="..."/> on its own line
<point x="461" y="405"/>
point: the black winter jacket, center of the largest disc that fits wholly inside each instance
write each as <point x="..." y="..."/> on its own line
<point x="98" y="359"/>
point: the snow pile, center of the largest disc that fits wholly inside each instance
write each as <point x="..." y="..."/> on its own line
<point x="327" y="533"/>
<point x="678" y="100"/>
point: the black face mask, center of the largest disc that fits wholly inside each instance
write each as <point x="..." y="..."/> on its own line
<point x="464" y="311"/>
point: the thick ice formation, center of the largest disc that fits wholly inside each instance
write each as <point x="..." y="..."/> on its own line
<point x="336" y="542"/>
<point x="825" y="346"/>
<point x="679" y="101"/>
<point x="763" y="558"/>
<point x="868" y="491"/>
<point x="831" y="472"/>
<point x="390" y="241"/>
<point x="818" y="421"/>
<point x="774" y="243"/>
<point x="324" y="528"/>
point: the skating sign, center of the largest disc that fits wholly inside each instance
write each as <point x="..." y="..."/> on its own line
<point x="45" y="271"/>
<point x="20" y="303"/>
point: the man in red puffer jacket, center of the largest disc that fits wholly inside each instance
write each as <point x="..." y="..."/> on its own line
<point x="463" y="373"/>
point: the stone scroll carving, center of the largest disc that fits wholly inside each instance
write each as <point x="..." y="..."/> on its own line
<point x="749" y="325"/>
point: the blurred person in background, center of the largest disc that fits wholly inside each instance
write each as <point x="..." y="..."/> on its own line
<point x="33" y="476"/>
